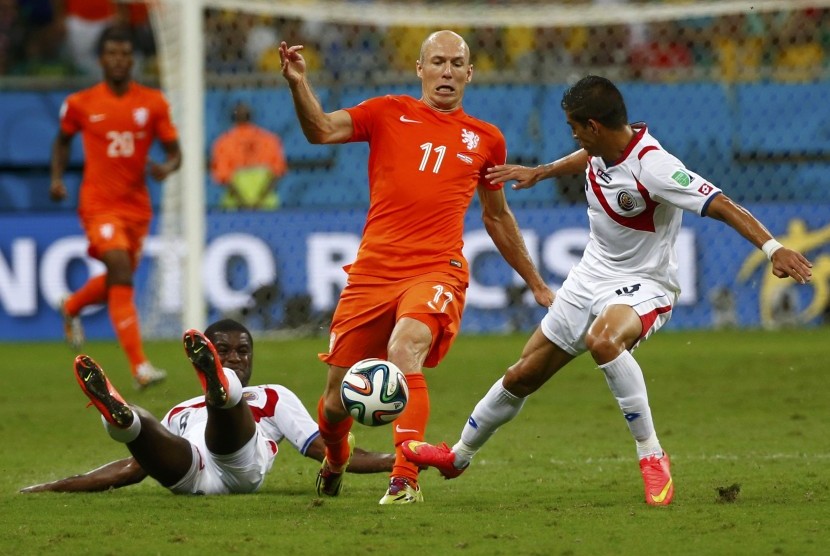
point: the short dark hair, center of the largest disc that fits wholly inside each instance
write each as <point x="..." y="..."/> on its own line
<point x="595" y="98"/>
<point x="227" y="325"/>
<point x="115" y="33"/>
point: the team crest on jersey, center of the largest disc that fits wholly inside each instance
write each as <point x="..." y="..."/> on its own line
<point x="470" y="139"/>
<point x="140" y="116"/>
<point x="249" y="396"/>
<point x="626" y="201"/>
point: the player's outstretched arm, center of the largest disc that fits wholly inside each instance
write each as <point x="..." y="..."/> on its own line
<point x="319" y="127"/>
<point x="361" y="462"/>
<point x="115" y="474"/>
<point x="526" y="177"/>
<point x="785" y="262"/>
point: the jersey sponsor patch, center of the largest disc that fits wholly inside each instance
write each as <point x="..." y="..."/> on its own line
<point x="455" y="263"/>
<point x="682" y="178"/>
<point x="705" y="189"/>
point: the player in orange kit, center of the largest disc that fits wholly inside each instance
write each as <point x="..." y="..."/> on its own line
<point x="405" y="293"/>
<point x="118" y="120"/>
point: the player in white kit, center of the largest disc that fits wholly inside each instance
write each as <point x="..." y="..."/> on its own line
<point x="224" y="441"/>
<point x="624" y="288"/>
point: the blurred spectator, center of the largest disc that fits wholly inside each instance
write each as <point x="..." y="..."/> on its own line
<point x="489" y="52"/>
<point x="248" y="161"/>
<point x="85" y="20"/>
<point x="666" y="56"/>
<point x="799" y="54"/>
<point x="43" y="38"/>
<point x="11" y="35"/>
<point x="226" y="35"/>
<point x="738" y="46"/>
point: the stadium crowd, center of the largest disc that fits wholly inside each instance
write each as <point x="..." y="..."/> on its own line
<point x="57" y="37"/>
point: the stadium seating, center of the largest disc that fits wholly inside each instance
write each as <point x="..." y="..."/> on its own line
<point x="740" y="138"/>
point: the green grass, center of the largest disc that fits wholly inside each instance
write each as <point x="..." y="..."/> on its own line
<point x="748" y="408"/>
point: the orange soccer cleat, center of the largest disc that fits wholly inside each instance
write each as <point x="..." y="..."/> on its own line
<point x="101" y="393"/>
<point x="208" y="367"/>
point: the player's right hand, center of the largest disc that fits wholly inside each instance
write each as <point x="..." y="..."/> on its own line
<point x="525" y="177"/>
<point x="293" y="63"/>
<point x="57" y="190"/>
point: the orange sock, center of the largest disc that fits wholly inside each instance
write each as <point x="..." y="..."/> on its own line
<point x="411" y="425"/>
<point x="124" y="319"/>
<point x="94" y="291"/>
<point x="335" y="436"/>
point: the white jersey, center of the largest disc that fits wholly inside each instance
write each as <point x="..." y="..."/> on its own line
<point x="287" y="419"/>
<point x="635" y="208"/>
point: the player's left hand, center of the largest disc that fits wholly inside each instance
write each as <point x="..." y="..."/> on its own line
<point x="786" y="262"/>
<point x="524" y="176"/>
<point x="544" y="296"/>
<point x="158" y="171"/>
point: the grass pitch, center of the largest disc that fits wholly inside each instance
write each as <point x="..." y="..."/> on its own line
<point x="744" y="414"/>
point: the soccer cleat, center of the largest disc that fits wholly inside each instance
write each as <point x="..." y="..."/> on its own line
<point x="440" y="457"/>
<point x="208" y="367"/>
<point x="657" y="478"/>
<point x="147" y="375"/>
<point x="329" y="482"/>
<point x="401" y="491"/>
<point x="73" y="330"/>
<point x="102" y="393"/>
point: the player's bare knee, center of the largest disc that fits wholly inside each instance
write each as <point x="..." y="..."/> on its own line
<point x="603" y="347"/>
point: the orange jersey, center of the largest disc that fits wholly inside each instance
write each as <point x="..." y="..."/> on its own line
<point x="246" y="146"/>
<point x="117" y="134"/>
<point x="424" y="167"/>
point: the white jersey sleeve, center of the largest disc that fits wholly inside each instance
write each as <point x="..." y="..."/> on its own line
<point x="290" y="421"/>
<point x="669" y="181"/>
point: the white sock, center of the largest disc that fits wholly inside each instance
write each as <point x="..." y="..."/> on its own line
<point x="234" y="388"/>
<point x="625" y="379"/>
<point x="123" y="435"/>
<point x="496" y="408"/>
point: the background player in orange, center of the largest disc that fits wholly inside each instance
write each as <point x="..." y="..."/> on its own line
<point x="405" y="293"/>
<point x="118" y="120"/>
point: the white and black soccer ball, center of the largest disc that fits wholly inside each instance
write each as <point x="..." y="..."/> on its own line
<point x="374" y="392"/>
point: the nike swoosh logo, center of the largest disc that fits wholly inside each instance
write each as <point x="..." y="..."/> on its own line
<point x="663" y="493"/>
<point x="414" y="445"/>
<point x="198" y="349"/>
<point x="406" y="120"/>
<point x="399" y="429"/>
<point x="97" y="117"/>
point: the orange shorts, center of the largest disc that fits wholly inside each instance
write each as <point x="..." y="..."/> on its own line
<point x="369" y="307"/>
<point x="106" y="233"/>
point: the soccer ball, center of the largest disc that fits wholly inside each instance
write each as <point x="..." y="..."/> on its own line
<point x="374" y="392"/>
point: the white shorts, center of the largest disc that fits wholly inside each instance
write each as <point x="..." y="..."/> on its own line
<point x="580" y="300"/>
<point x="238" y="473"/>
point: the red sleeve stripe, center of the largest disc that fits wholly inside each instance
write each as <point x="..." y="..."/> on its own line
<point x="646" y="150"/>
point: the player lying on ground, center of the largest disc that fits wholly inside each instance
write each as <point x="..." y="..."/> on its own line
<point x="219" y="443"/>
<point x="626" y="285"/>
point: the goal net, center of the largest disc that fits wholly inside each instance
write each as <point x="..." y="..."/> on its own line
<point x="736" y="89"/>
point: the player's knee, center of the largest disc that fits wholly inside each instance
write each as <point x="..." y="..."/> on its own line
<point x="604" y="347"/>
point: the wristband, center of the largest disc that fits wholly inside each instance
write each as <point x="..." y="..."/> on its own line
<point x="770" y="247"/>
